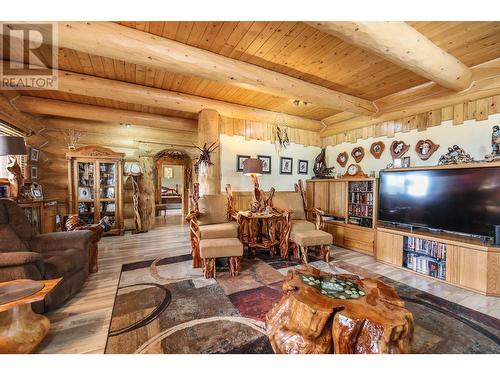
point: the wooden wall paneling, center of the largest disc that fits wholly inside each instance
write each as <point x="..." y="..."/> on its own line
<point x="494" y="106"/>
<point x="458" y="114"/>
<point x="434" y="118"/>
<point x="482" y="108"/>
<point x="447" y="113"/>
<point x="470" y="114"/>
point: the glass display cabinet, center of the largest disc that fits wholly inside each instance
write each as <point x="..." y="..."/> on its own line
<point x="95" y="185"/>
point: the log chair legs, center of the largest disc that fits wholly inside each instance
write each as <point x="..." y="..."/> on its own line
<point x="209" y="266"/>
<point x="234" y="266"/>
<point x="324" y="252"/>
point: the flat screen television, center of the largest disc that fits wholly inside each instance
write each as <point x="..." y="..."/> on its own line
<point x="462" y="200"/>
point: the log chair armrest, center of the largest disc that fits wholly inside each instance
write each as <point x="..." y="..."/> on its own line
<point x="58" y="241"/>
<point x="192" y="216"/>
<point x="318" y="213"/>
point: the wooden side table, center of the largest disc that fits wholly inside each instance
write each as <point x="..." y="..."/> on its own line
<point x="256" y="239"/>
<point x="21" y="330"/>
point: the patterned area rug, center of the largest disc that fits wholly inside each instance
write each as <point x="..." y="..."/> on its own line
<point x="166" y="306"/>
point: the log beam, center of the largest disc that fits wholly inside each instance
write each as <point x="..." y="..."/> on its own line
<point x="84" y="111"/>
<point x="122" y="43"/>
<point x="401" y="44"/>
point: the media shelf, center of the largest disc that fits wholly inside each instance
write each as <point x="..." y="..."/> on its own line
<point x="425" y="256"/>
<point x="360" y="203"/>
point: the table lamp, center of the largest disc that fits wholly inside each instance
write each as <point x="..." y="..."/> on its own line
<point x="11" y="146"/>
<point x="253" y="168"/>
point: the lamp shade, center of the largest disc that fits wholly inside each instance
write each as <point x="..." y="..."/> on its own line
<point x="252" y="166"/>
<point x="12" y="145"/>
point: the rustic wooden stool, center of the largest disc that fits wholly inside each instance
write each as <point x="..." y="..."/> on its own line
<point x="314" y="237"/>
<point x="210" y="249"/>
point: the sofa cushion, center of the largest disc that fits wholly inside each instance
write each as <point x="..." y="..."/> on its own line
<point x="301" y="226"/>
<point x="312" y="238"/>
<point x="13" y="215"/>
<point x="224" y="230"/>
<point x="10" y="241"/>
<point x="291" y="201"/>
<point x="212" y="209"/>
<point x="221" y="247"/>
<point x="63" y="263"/>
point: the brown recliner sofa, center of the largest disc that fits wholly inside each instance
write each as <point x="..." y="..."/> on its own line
<point x="24" y="255"/>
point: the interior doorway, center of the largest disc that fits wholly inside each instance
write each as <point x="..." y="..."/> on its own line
<point x="173" y="180"/>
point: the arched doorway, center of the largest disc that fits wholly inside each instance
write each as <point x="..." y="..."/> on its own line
<point x="170" y="188"/>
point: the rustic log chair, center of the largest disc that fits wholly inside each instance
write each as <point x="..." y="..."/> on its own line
<point x="214" y="231"/>
<point x="296" y="228"/>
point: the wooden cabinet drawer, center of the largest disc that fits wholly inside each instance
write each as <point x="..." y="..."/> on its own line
<point x="366" y="247"/>
<point x="358" y="235"/>
<point x="337" y="231"/>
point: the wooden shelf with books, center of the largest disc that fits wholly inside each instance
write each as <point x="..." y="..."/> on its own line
<point x="350" y="207"/>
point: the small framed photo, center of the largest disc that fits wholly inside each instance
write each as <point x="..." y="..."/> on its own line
<point x="286" y="165"/>
<point x="398" y="163"/>
<point x="239" y="162"/>
<point x="36" y="192"/>
<point x="34" y="154"/>
<point x="406" y="162"/>
<point x="266" y="163"/>
<point x="84" y="192"/>
<point x="303" y="167"/>
<point x="34" y="172"/>
<point x="168" y="172"/>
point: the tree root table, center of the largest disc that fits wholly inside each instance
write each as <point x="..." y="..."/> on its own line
<point x="21" y="330"/>
<point x="252" y="230"/>
<point x="343" y="314"/>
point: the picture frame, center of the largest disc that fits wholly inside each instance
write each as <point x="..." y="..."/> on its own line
<point x="425" y="148"/>
<point x="398" y="163"/>
<point x="239" y="162"/>
<point x="377" y="148"/>
<point x="266" y="163"/>
<point x="34" y="154"/>
<point x="303" y="167"/>
<point x="342" y="159"/>
<point x="84" y="192"/>
<point x="398" y="149"/>
<point x="406" y="162"/>
<point x="34" y="172"/>
<point x="286" y="165"/>
<point x="168" y="172"/>
<point x="358" y="153"/>
<point x="37" y="192"/>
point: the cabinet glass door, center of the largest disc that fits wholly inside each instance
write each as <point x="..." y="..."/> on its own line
<point x="107" y="191"/>
<point x="86" y="191"/>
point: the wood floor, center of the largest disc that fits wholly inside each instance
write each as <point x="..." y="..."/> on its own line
<point x="81" y="325"/>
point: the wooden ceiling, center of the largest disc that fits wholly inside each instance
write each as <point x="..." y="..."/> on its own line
<point x="292" y="48"/>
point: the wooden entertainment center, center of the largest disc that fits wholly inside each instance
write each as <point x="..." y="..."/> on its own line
<point x="350" y="209"/>
<point x="460" y="260"/>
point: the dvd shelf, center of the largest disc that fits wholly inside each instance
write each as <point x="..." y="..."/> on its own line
<point x="360" y="203"/>
<point x="425" y="256"/>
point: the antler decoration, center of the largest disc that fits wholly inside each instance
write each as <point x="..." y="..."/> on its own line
<point x="205" y="153"/>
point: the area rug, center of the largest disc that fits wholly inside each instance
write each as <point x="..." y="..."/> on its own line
<point x="166" y="306"/>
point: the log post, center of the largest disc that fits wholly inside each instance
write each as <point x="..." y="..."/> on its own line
<point x="208" y="133"/>
<point x="147" y="196"/>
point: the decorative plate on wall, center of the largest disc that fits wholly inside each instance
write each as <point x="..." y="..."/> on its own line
<point x="425" y="148"/>
<point x="398" y="149"/>
<point x="342" y="159"/>
<point x="377" y="148"/>
<point x="358" y="153"/>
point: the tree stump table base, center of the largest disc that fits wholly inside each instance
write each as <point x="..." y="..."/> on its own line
<point x="324" y="313"/>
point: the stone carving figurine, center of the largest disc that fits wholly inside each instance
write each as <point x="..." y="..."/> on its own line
<point x="320" y="169"/>
<point x="455" y="155"/>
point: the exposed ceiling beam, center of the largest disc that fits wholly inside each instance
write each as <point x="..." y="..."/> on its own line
<point x="84" y="111"/>
<point x="401" y="44"/>
<point x="424" y="98"/>
<point x="119" y="42"/>
<point x="81" y="84"/>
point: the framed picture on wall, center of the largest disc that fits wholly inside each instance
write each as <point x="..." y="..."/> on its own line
<point x="286" y="165"/>
<point x="266" y="163"/>
<point x="406" y="162"/>
<point x="303" y="167"/>
<point x="34" y="172"/>
<point x="168" y="172"/>
<point x="239" y="162"/>
<point x="34" y="154"/>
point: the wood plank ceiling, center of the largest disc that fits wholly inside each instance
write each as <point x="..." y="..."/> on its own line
<point x="292" y="48"/>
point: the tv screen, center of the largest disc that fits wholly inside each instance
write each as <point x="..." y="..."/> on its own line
<point x="463" y="200"/>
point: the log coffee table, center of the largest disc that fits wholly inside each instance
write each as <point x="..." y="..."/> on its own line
<point x="21" y="330"/>
<point x="343" y="314"/>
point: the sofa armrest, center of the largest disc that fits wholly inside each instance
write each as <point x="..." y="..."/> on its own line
<point x="58" y="241"/>
<point x="19" y="258"/>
